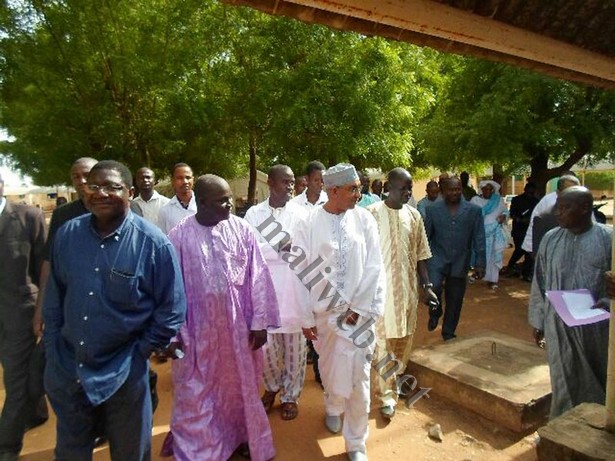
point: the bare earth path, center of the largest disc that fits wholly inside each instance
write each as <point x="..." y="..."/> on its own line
<point x="467" y="436"/>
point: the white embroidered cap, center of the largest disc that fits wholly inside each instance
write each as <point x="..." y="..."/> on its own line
<point x="340" y="174"/>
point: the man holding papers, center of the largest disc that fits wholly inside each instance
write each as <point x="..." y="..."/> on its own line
<point x="572" y="257"/>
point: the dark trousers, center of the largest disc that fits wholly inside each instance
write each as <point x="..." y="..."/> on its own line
<point x="126" y="417"/>
<point x="528" y="261"/>
<point x="454" y="289"/>
<point x="16" y="345"/>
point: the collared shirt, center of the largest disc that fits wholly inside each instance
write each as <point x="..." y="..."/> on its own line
<point x="108" y="299"/>
<point x="302" y="200"/>
<point x="150" y="209"/>
<point x="173" y="212"/>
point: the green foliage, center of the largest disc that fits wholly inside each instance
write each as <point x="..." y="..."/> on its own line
<point x="157" y="81"/>
<point x="497" y="114"/>
<point x="599" y="180"/>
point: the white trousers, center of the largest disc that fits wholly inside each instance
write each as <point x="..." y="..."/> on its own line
<point x="284" y="364"/>
<point x="344" y="369"/>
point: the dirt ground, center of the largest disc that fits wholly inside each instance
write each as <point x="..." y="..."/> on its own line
<point x="466" y="435"/>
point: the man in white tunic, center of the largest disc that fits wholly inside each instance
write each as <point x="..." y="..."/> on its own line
<point x="182" y="204"/>
<point x="405" y="249"/>
<point x="336" y="255"/>
<point x="149" y="202"/>
<point x="275" y="220"/>
<point x="313" y="195"/>
<point x="575" y="255"/>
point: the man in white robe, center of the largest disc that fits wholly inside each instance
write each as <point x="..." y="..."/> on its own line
<point x="275" y="221"/>
<point x="336" y="255"/>
<point x="313" y="195"/>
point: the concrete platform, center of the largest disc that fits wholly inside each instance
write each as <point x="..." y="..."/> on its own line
<point x="577" y="435"/>
<point x="501" y="378"/>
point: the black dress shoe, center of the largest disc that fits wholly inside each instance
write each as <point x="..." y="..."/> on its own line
<point x="449" y="337"/>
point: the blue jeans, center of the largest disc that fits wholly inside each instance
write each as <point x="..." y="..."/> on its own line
<point x="454" y="290"/>
<point x="126" y="417"/>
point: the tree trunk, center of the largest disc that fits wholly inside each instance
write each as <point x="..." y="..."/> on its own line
<point x="539" y="169"/>
<point x="252" y="181"/>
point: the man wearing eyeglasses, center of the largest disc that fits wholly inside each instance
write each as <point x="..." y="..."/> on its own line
<point x="114" y="295"/>
<point x="336" y="254"/>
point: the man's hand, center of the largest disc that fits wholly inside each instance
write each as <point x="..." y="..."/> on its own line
<point x="603" y="303"/>
<point x="173" y="351"/>
<point x="351" y="317"/>
<point x="37" y="322"/>
<point x="431" y="297"/>
<point x="257" y="339"/>
<point x="539" y="338"/>
<point x="310" y="334"/>
<point x="479" y="272"/>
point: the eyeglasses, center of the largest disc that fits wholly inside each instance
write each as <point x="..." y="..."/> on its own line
<point x="351" y="189"/>
<point x="107" y="189"/>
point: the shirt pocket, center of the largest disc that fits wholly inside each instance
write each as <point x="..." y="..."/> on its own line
<point x="122" y="289"/>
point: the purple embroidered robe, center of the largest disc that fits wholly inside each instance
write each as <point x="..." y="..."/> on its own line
<point x="216" y="385"/>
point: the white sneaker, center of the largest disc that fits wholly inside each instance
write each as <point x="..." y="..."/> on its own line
<point x="333" y="423"/>
<point x="357" y="456"/>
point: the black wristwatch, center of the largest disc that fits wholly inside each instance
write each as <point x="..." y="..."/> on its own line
<point x="426" y="285"/>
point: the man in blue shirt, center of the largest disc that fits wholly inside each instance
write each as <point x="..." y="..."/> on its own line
<point x="114" y="295"/>
<point x="454" y="228"/>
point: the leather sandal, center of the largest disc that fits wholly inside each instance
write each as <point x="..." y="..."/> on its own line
<point x="290" y="410"/>
<point x="268" y="400"/>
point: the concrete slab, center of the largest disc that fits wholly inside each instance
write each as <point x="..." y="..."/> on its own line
<point x="503" y="379"/>
<point x="577" y="435"/>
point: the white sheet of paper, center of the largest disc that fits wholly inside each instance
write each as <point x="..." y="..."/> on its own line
<point x="579" y="305"/>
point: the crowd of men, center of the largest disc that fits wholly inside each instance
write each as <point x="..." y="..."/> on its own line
<point x="336" y="272"/>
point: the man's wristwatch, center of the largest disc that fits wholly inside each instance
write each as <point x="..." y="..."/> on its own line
<point x="426" y="285"/>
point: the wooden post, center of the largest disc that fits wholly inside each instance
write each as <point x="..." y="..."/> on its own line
<point x="610" y="374"/>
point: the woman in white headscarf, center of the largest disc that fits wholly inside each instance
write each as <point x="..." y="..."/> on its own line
<point x="494" y="216"/>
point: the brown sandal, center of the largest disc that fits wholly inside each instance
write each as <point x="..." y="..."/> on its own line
<point x="268" y="400"/>
<point x="290" y="410"/>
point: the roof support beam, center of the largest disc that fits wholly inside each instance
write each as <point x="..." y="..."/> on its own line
<point x="428" y="23"/>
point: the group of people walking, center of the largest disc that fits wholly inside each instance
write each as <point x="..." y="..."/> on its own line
<point x="235" y="300"/>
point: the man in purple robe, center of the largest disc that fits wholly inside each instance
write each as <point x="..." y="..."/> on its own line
<point x="231" y="302"/>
